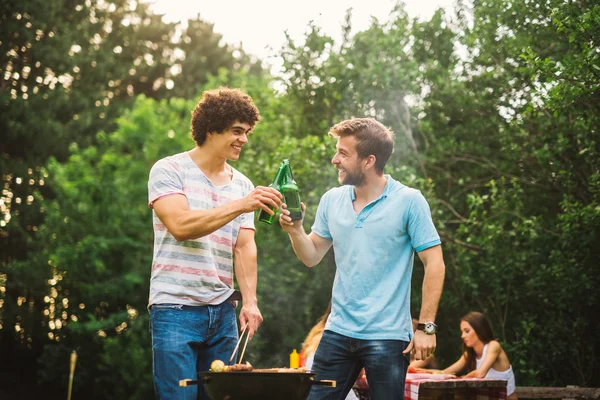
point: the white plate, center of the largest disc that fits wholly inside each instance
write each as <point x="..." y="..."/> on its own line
<point x="430" y="377"/>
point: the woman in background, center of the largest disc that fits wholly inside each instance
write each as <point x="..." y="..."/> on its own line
<point x="483" y="356"/>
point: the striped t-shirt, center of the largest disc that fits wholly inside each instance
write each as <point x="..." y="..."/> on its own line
<point x="197" y="271"/>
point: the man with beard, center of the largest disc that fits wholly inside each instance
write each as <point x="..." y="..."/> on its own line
<point x="375" y="225"/>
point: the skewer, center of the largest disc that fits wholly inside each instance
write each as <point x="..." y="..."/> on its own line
<point x="238" y="343"/>
<point x="244" y="349"/>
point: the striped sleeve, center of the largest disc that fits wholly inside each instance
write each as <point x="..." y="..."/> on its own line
<point x="165" y="180"/>
<point x="247" y="220"/>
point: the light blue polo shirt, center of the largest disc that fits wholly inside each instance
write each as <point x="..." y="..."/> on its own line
<point x="374" y="254"/>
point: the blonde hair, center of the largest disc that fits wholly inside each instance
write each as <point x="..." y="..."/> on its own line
<point x="314" y="336"/>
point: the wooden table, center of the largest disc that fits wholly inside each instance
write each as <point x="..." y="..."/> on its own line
<point x="455" y="389"/>
<point x="447" y="389"/>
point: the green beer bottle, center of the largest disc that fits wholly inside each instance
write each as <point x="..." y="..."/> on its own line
<point x="291" y="194"/>
<point x="264" y="216"/>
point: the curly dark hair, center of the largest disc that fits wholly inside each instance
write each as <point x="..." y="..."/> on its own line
<point x="372" y="138"/>
<point x="218" y="109"/>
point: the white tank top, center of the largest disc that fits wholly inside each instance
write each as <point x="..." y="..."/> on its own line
<point x="507" y="375"/>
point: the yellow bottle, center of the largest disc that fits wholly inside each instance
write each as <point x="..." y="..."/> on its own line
<point x="294" y="359"/>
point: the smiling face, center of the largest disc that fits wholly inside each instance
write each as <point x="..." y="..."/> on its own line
<point x="347" y="162"/>
<point x="468" y="334"/>
<point x="229" y="143"/>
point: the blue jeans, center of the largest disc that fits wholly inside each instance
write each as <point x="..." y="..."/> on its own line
<point x="341" y="358"/>
<point x="185" y="340"/>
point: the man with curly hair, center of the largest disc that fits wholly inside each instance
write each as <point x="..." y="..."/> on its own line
<point x="203" y="213"/>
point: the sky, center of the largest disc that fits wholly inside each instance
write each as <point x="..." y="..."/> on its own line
<point x="259" y="25"/>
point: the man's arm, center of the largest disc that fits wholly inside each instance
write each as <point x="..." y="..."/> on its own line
<point x="246" y="273"/>
<point x="310" y="249"/>
<point x="185" y="224"/>
<point x="433" y="282"/>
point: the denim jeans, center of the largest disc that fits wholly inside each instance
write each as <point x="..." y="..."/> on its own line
<point x="185" y="340"/>
<point x="341" y="358"/>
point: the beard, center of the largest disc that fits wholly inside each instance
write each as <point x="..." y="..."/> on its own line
<point x="355" y="177"/>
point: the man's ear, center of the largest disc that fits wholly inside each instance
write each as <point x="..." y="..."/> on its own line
<point x="370" y="161"/>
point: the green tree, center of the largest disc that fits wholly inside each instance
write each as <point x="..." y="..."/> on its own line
<point x="69" y="69"/>
<point x="496" y="116"/>
<point x="502" y="135"/>
<point x="512" y="134"/>
<point x="204" y="53"/>
<point x="95" y="248"/>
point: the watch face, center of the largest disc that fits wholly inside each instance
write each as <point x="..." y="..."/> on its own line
<point x="430" y="328"/>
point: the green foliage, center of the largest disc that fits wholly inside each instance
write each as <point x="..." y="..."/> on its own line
<point x="505" y="134"/>
<point x="97" y="244"/>
<point x="69" y="69"/>
<point x="496" y="116"/>
<point x="204" y="56"/>
<point x="97" y="240"/>
<point x="513" y="148"/>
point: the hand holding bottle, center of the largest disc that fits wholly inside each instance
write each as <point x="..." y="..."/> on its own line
<point x="285" y="220"/>
<point x="262" y="198"/>
<point x="284" y="183"/>
<point x="291" y="194"/>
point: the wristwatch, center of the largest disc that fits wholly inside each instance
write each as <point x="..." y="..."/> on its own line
<point x="429" y="328"/>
